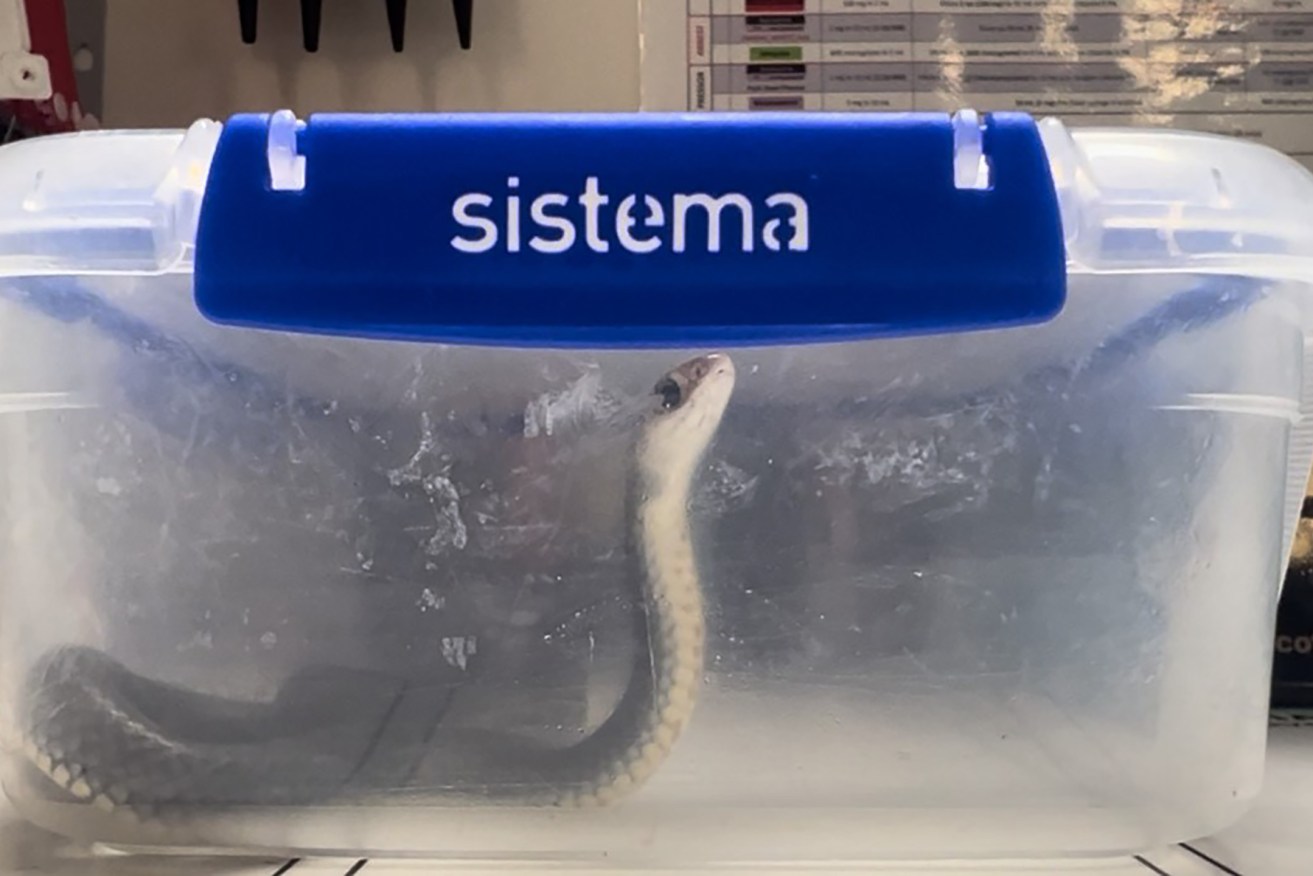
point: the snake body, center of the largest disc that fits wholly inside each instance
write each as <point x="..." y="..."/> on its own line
<point x="659" y="701"/>
<point x="124" y="743"/>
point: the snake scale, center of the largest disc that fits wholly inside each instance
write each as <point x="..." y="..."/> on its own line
<point x="127" y="744"/>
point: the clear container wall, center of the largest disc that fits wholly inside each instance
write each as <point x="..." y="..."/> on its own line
<point x="983" y="594"/>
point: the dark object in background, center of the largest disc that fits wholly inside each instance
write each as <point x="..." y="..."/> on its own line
<point x="464" y="10"/>
<point x="1292" y="666"/>
<point x="248" y="12"/>
<point x="312" y="16"/>
<point x="397" y="23"/>
<point x="312" y="19"/>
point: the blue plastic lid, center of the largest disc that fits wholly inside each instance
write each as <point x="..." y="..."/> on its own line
<point x="629" y="230"/>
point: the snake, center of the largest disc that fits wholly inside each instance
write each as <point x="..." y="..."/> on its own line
<point x="126" y="743"/>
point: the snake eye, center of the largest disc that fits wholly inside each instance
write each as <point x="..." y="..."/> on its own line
<point x="671" y="394"/>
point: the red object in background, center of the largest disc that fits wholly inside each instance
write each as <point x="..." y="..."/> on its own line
<point x="756" y="7"/>
<point x="61" y="112"/>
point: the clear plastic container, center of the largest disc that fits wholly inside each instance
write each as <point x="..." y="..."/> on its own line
<point x="1001" y="592"/>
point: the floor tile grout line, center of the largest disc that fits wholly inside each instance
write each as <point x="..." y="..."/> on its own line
<point x="1211" y="860"/>
<point x="1149" y="865"/>
<point x="1144" y="862"/>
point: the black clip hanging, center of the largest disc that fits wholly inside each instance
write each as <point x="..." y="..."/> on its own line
<point x="397" y="23"/>
<point x="312" y="20"/>
<point x="247" y="13"/>
<point x="312" y="16"/>
<point x="464" y="10"/>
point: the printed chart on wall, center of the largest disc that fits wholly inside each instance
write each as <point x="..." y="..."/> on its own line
<point x="1241" y="67"/>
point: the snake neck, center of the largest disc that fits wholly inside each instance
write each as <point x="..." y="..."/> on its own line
<point x="676" y="627"/>
<point x="658" y="701"/>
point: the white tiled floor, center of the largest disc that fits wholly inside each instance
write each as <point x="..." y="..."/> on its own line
<point x="1277" y="836"/>
<point x="1276" y="839"/>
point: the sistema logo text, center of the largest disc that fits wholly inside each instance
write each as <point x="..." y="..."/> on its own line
<point x="634" y="223"/>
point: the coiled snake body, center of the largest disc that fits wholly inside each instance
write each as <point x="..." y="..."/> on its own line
<point x="110" y="737"/>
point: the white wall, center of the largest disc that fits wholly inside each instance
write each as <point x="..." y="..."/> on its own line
<point x="528" y="54"/>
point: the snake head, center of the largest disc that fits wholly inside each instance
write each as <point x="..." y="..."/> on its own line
<point x="687" y="404"/>
<point x="703" y="383"/>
